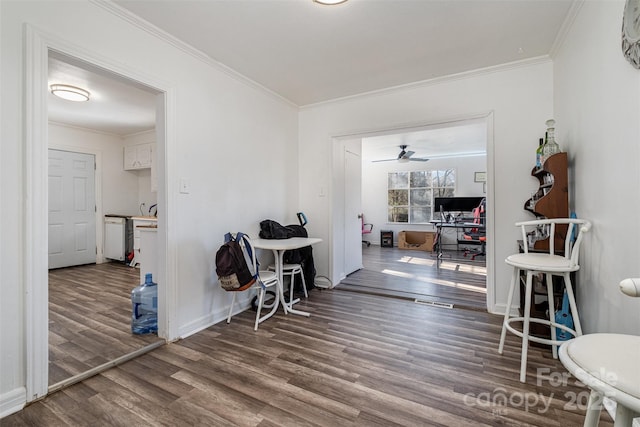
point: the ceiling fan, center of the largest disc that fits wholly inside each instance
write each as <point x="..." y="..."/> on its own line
<point x="404" y="156"/>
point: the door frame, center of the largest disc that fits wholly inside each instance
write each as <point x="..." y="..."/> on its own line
<point x="35" y="254"/>
<point x="337" y="184"/>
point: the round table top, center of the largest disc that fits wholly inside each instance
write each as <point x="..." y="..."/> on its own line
<point x="608" y="363"/>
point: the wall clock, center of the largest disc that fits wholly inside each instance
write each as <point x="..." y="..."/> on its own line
<point x="631" y="32"/>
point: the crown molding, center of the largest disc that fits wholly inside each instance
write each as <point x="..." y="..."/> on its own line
<point x="144" y="25"/>
<point x="438" y="80"/>
<point x="576" y="5"/>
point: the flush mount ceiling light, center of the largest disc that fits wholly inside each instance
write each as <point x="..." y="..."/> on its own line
<point x="329" y="2"/>
<point x="71" y="93"/>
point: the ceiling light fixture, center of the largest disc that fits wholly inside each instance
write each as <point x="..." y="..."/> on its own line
<point x="329" y="2"/>
<point x="71" y="93"/>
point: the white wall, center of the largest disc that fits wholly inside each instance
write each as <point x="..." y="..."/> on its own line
<point x="374" y="191"/>
<point x="597" y="105"/>
<point x="519" y="99"/>
<point x="236" y="143"/>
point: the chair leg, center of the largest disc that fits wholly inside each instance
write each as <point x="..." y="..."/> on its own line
<point x="292" y="283"/>
<point x="507" y="313"/>
<point x="552" y="313"/>
<point x="572" y="304"/>
<point x="624" y="416"/>
<point x="525" y="327"/>
<point x="592" y="417"/>
<point x="233" y="301"/>
<point x="304" y="284"/>
<point x="260" y="302"/>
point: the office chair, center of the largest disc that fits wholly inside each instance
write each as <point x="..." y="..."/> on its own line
<point x="366" y="229"/>
<point x="476" y="235"/>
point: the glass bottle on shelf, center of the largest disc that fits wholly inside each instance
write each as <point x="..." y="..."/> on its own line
<point x="550" y="146"/>
<point x="539" y="154"/>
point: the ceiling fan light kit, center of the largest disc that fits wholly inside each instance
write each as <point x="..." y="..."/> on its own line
<point x="70" y="93"/>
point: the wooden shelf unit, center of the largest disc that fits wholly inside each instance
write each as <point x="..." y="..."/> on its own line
<point x="551" y="200"/>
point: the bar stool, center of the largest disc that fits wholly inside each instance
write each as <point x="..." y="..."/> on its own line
<point x="291" y="270"/>
<point x="609" y="364"/>
<point x="550" y="264"/>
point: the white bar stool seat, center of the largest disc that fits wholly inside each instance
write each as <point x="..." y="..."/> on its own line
<point x="609" y="364"/>
<point x="550" y="264"/>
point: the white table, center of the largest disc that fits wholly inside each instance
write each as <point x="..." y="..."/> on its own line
<point x="279" y="246"/>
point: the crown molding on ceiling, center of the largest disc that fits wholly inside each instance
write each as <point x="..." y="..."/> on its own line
<point x="576" y="5"/>
<point x="137" y="21"/>
<point x="438" y="80"/>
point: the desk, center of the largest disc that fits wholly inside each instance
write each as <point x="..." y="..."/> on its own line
<point x="279" y="247"/>
<point x="457" y="225"/>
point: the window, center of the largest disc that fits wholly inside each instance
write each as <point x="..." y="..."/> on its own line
<point x="410" y="194"/>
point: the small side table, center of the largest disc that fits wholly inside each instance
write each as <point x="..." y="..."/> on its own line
<point x="386" y="238"/>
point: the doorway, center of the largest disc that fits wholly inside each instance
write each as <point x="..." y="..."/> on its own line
<point x="460" y="146"/>
<point x="38" y="48"/>
<point x="89" y="295"/>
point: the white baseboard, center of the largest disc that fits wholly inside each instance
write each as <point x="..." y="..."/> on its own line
<point x="211" y="319"/>
<point x="12" y="401"/>
<point x="501" y="308"/>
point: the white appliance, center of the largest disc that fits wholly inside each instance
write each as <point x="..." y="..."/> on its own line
<point x="116" y="237"/>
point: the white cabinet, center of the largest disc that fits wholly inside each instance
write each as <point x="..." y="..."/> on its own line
<point x="140" y="221"/>
<point x="138" y="156"/>
<point x="148" y="253"/>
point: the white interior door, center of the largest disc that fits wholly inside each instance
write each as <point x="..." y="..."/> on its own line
<point x="352" y="211"/>
<point x="72" y="215"/>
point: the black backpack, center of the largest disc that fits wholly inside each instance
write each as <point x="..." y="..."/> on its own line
<point x="233" y="264"/>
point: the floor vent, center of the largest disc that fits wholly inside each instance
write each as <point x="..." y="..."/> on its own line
<point x="434" y="303"/>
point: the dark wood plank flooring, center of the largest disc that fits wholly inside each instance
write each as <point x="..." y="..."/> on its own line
<point x="413" y="274"/>
<point x="359" y="360"/>
<point x="90" y="317"/>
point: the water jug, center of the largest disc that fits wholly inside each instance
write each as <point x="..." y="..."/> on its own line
<point x="144" y="302"/>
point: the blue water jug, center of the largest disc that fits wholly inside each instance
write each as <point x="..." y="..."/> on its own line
<point x="144" y="302"/>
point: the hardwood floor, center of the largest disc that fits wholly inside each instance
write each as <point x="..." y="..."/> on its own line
<point x="90" y="317"/>
<point x="359" y="360"/>
<point x="413" y="274"/>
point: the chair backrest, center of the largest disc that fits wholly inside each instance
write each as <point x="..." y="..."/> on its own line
<point x="572" y="239"/>
<point x="249" y="253"/>
<point x="366" y="228"/>
<point x="479" y="215"/>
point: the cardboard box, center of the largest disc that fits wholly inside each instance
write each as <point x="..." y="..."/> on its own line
<point x="417" y="240"/>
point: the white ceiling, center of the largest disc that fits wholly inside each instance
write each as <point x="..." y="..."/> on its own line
<point x="465" y="138"/>
<point x="309" y="53"/>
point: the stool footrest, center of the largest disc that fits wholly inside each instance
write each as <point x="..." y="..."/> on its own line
<point x="533" y="338"/>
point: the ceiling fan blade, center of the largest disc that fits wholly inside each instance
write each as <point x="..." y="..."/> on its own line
<point x="408" y="154"/>
<point x="384" y="160"/>
<point x="418" y="159"/>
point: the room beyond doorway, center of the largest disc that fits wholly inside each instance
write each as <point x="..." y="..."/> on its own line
<point x="413" y="274"/>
